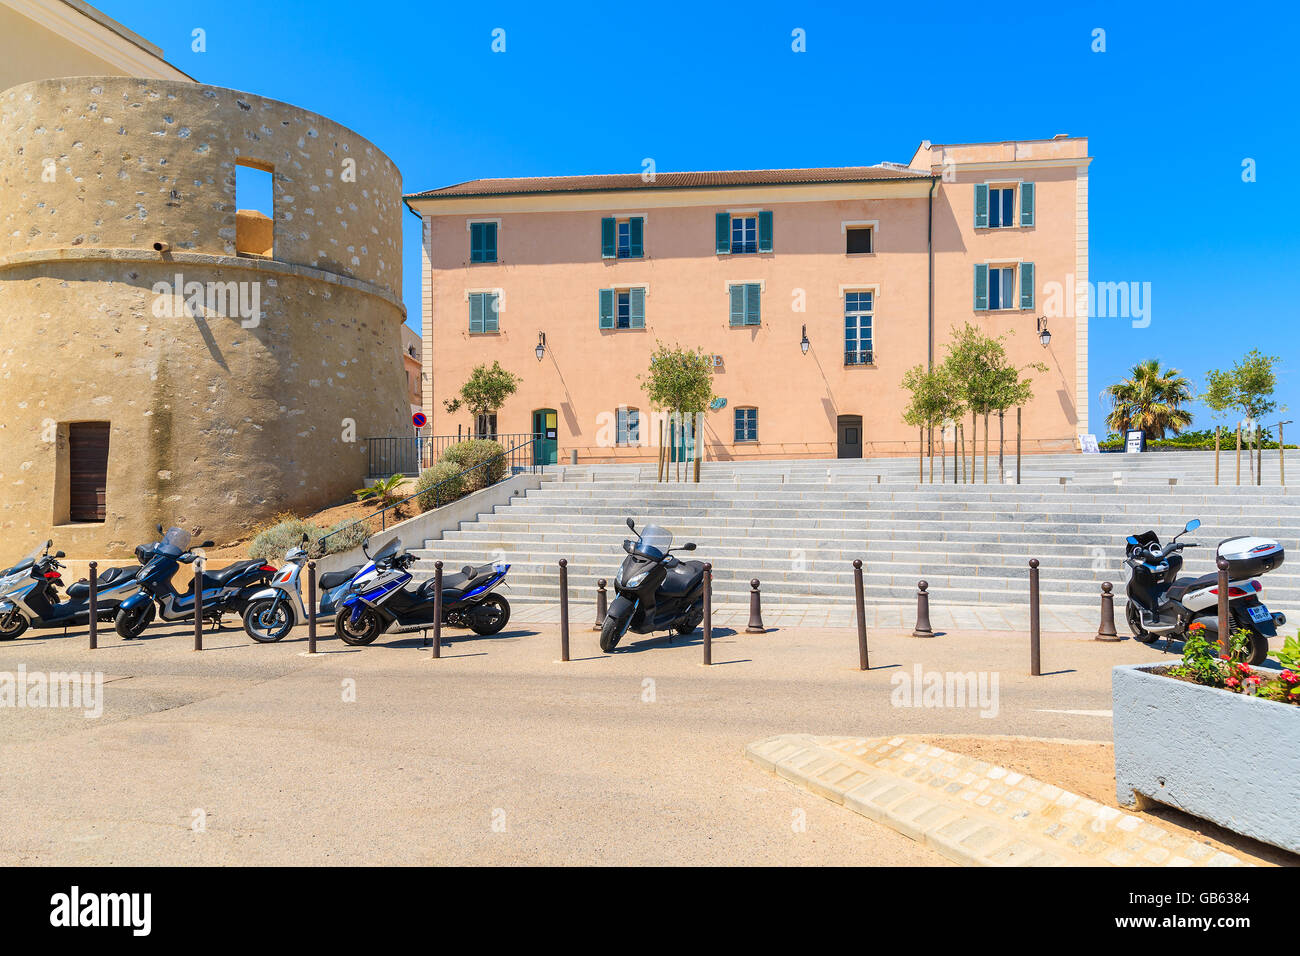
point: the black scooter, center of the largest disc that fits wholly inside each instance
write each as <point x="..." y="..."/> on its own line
<point x="654" y="591"/>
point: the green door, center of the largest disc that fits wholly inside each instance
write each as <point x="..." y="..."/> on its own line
<point x="546" y="446"/>
<point x="681" y="440"/>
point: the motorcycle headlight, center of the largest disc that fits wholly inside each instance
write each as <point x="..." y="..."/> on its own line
<point x="635" y="580"/>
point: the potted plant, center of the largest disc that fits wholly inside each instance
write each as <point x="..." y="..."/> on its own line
<point x="1212" y="736"/>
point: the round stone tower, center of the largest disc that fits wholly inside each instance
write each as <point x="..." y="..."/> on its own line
<point x="165" y="355"/>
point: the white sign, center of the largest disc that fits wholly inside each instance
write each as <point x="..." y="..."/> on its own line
<point x="1088" y="444"/>
<point x="1134" y="440"/>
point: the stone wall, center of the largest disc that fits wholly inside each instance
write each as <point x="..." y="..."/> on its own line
<point x="236" y="386"/>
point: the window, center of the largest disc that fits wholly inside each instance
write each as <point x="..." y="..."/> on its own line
<point x="87" y="470"/>
<point x="858" y="307"/>
<point x="743" y="232"/>
<point x="1002" y="207"/>
<point x="254" y="208"/>
<point x="747" y="424"/>
<point x="995" y="286"/>
<point x="622" y="238"/>
<point x="622" y="308"/>
<point x="745" y="303"/>
<point x="629" y="427"/>
<point x="482" y="242"/>
<point x="995" y="205"/>
<point x="1002" y="287"/>
<point x="858" y="240"/>
<point x="485" y="426"/>
<point x="484" y="312"/>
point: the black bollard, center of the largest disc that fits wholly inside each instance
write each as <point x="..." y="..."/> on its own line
<point x="437" y="610"/>
<point x="602" y="606"/>
<point x="923" y="628"/>
<point x="564" y="609"/>
<point x="1225" y="636"/>
<point x="755" y="625"/>
<point x="708" y="614"/>
<point x="311" y="607"/>
<point x="1106" y="630"/>
<point x="1035" y="662"/>
<point x="94" y="605"/>
<point x="863" y="663"/>
<point x="198" y="605"/>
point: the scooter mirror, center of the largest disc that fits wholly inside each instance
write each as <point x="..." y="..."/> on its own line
<point x="631" y="524"/>
<point x="59" y="554"/>
<point x="304" y="539"/>
<point x="365" y="547"/>
<point x="1193" y="525"/>
<point x="689" y="546"/>
<point x="49" y="544"/>
<point x="208" y="544"/>
<point x="160" y="530"/>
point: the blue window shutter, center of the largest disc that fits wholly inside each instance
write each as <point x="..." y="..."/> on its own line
<point x="737" y="305"/>
<point x="636" y="298"/>
<point x="636" y="237"/>
<point x="476" y="242"/>
<point x="739" y="433"/>
<point x="753" y="315"/>
<point x="765" y="231"/>
<point x="1027" y="206"/>
<point x="476" y="312"/>
<point x="981" y="205"/>
<point x="606" y="308"/>
<point x="607" y="230"/>
<point x="722" y="231"/>
<point x="489" y="242"/>
<point x="981" y="287"/>
<point x="491" y="315"/>
<point x="1026" y="285"/>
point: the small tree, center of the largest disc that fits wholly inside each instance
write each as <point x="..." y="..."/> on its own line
<point x="973" y="368"/>
<point x="680" y="382"/>
<point x="1151" y="399"/>
<point x="1011" y="389"/>
<point x="931" y="404"/>
<point x="485" y="391"/>
<point x="1248" y="388"/>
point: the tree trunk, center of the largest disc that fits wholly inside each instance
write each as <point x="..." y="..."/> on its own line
<point x="1002" y="446"/>
<point x="1017" y="445"/>
<point x="1216" y="454"/>
<point x="697" y="443"/>
<point x="974" y="444"/>
<point x="929" y="450"/>
<point x="986" y="448"/>
<point x="959" y="453"/>
<point x="1239" y="455"/>
<point x="943" y="457"/>
<point x="920" y="455"/>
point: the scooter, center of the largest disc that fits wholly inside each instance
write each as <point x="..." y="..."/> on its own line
<point x="653" y="590"/>
<point x="224" y="590"/>
<point x="274" y="611"/>
<point x="380" y="601"/>
<point x="1160" y="604"/>
<point x="29" y="594"/>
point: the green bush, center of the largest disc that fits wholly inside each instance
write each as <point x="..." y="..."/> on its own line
<point x="445" y="473"/>
<point x="352" y="533"/>
<point x="476" y="451"/>
<point x="272" y="543"/>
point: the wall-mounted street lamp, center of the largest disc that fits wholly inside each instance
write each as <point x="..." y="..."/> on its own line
<point x="541" y="346"/>
<point x="804" y="343"/>
<point x="1044" y="336"/>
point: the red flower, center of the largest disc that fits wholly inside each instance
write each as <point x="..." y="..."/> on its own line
<point x="1291" y="677"/>
<point x="1232" y="682"/>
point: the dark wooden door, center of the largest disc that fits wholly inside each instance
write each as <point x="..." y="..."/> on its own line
<point x="849" y="444"/>
<point x="88" y="470"/>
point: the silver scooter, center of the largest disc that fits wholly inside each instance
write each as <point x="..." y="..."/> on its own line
<point x="273" y="612"/>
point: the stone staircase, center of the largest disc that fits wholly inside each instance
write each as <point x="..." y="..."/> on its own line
<point x="798" y="529"/>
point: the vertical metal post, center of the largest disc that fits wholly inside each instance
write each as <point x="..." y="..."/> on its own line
<point x="923" y="628"/>
<point x="1225" y="636"/>
<point x="602" y="605"/>
<point x="1017" y="444"/>
<point x="94" y="605"/>
<point x="1239" y="455"/>
<point x="198" y="604"/>
<point x="564" y="609"/>
<point x="1216" y="453"/>
<point x="1281" y="456"/>
<point x="708" y="614"/>
<point x="437" y="610"/>
<point x="311" y="607"/>
<point x="755" y="625"/>
<point x="1035" y="657"/>
<point x="860" y="603"/>
<point x="1106" y="629"/>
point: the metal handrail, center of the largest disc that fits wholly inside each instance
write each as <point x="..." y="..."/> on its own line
<point x="411" y="454"/>
<point x="534" y="467"/>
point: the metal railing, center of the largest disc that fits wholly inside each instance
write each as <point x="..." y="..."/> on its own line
<point x="859" y="357"/>
<point x="513" y="458"/>
<point x="408" y="455"/>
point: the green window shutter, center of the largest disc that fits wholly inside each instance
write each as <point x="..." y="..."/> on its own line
<point x="606" y="308"/>
<point x="981" y="287"/>
<point x="491" y="312"/>
<point x="636" y="299"/>
<point x="636" y="238"/>
<point x="981" y="205"/>
<point x="765" y="231"/>
<point x="489" y="242"/>
<point x="607" y="244"/>
<point x="476" y="312"/>
<point x="722" y="231"/>
<point x="1027" y="206"/>
<point x="753" y="292"/>
<point x="1026" y="285"/>
<point x="737" y="304"/>
<point x="476" y="242"/>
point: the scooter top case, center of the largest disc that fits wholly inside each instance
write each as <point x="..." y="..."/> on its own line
<point x="1250" y="555"/>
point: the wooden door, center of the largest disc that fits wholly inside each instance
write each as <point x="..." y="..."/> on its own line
<point x="88" y="470"/>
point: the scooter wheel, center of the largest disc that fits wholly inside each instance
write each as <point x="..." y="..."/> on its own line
<point x="489" y="615"/>
<point x="131" y="624"/>
<point x="1134" y="625"/>
<point x="266" y="626"/>
<point x="12" y="626"/>
<point x="361" y="632"/>
<point x="1256" y="648"/>
<point x="611" y="632"/>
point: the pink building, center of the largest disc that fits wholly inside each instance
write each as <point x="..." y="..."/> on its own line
<point x="873" y="265"/>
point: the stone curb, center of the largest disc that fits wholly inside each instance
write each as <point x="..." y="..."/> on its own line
<point x="973" y="812"/>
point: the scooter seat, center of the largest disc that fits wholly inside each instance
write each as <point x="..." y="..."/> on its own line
<point x="223" y="575"/>
<point x="682" y="577"/>
<point x="1180" y="587"/>
<point x="335" y="578"/>
<point x="110" y="578"/>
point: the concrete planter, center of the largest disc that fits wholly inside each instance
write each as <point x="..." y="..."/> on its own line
<point x="1224" y="757"/>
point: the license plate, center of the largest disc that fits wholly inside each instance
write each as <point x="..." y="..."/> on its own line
<point x="1260" y="614"/>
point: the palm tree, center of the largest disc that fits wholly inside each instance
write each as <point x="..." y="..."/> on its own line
<point x="1151" y="399"/>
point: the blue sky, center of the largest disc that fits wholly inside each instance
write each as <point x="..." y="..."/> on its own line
<point x="1180" y="98"/>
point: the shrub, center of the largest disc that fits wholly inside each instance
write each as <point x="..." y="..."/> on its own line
<point x="476" y="451"/>
<point x="445" y="473"/>
<point x="352" y="533"/>
<point x="272" y="543"/>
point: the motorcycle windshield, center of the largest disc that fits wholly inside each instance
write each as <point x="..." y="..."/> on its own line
<point x="175" y="541"/>
<point x="655" y="542"/>
<point x="28" y="559"/>
<point x="388" y="550"/>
